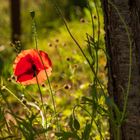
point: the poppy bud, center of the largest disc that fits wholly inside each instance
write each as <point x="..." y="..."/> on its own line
<point x="32" y="14"/>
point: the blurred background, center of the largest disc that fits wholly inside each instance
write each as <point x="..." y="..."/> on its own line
<point x="71" y="78"/>
<point x="47" y="16"/>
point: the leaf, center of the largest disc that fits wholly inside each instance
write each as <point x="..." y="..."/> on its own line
<point x="117" y="112"/>
<point x="85" y="134"/>
<point x="85" y="99"/>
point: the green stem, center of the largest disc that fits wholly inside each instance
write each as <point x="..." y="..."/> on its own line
<point x="98" y="41"/>
<point x="4" y="87"/>
<point x="41" y="113"/>
<point x="118" y="133"/>
<point x="93" y="32"/>
<point x="39" y="90"/>
<point x="78" y="105"/>
<point x="50" y="88"/>
<point x="76" y="42"/>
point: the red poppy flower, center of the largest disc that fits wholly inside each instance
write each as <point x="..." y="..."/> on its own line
<point x="28" y="65"/>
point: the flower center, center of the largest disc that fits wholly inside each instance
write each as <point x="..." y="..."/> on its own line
<point x="34" y="70"/>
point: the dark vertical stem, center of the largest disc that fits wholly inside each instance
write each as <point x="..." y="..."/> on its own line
<point x="15" y="20"/>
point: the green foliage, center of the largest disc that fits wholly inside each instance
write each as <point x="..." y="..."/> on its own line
<point x="86" y="133"/>
<point x="78" y="80"/>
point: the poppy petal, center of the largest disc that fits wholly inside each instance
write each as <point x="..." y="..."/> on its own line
<point x="28" y="62"/>
<point x="23" y="65"/>
<point x="38" y="62"/>
<point x="24" y="77"/>
<point x="41" y="77"/>
<point x="46" y="60"/>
